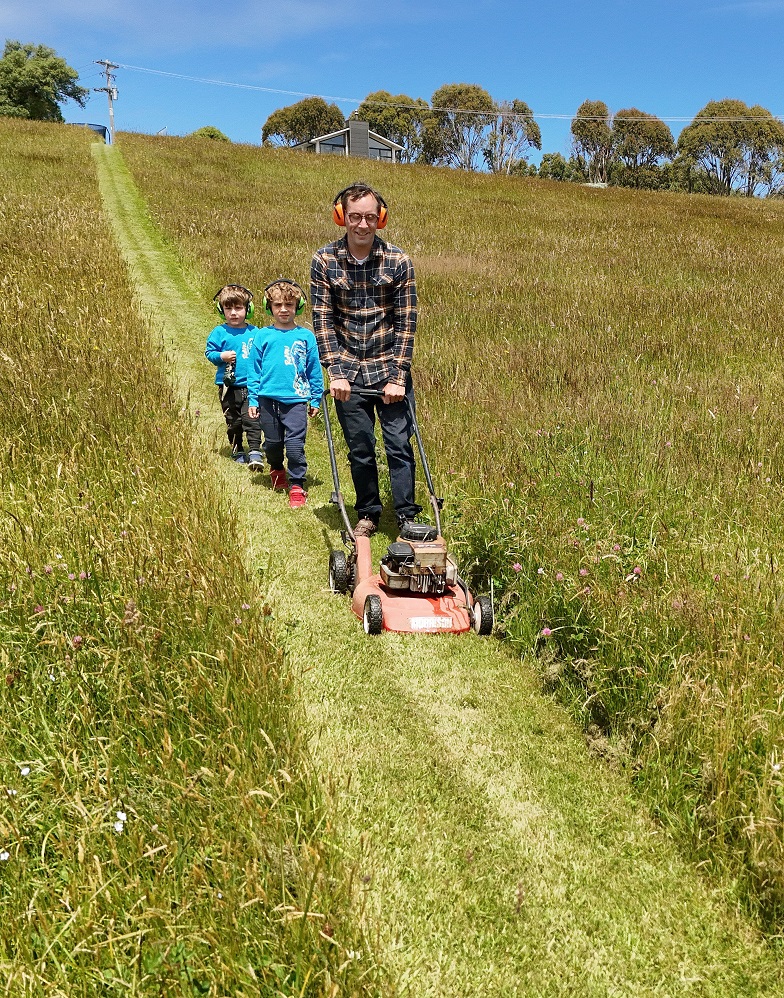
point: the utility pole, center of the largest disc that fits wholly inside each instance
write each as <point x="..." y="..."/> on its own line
<point x="110" y="90"/>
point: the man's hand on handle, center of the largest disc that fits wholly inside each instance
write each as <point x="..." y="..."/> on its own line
<point x="394" y="393"/>
<point x="340" y="389"/>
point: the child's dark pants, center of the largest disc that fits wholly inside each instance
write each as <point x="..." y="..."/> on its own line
<point x="234" y="403"/>
<point x="285" y="425"/>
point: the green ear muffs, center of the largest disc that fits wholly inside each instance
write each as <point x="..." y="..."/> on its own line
<point x="250" y="309"/>
<point x="301" y="301"/>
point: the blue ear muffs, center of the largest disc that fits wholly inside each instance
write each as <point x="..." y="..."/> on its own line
<point x="301" y="301"/>
<point x="250" y="309"/>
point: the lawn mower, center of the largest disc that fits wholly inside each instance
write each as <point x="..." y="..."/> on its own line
<point x="417" y="588"/>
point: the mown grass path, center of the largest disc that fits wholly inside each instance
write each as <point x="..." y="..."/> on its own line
<point x="495" y="857"/>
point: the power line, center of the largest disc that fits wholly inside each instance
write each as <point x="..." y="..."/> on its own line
<point x="446" y="110"/>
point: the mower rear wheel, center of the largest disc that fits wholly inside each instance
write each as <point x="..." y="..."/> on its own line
<point x="338" y="572"/>
<point x="483" y="615"/>
<point x="373" y="615"/>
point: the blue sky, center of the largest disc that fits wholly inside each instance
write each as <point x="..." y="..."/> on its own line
<point x="667" y="58"/>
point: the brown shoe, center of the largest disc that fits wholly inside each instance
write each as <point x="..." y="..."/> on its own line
<point x="365" y="528"/>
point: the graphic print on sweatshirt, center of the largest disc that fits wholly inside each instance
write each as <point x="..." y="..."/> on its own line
<point x="296" y="357"/>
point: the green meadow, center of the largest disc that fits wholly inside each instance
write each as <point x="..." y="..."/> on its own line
<point x="160" y="825"/>
<point x="212" y="781"/>
<point x="599" y="379"/>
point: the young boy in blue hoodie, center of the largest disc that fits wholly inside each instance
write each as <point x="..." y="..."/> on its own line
<point x="228" y="348"/>
<point x="284" y="387"/>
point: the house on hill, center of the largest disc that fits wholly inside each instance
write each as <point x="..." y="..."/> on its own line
<point x="356" y="139"/>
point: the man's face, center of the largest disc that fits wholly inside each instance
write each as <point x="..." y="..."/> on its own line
<point x="361" y="224"/>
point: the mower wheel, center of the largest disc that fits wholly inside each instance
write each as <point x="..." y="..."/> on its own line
<point x="483" y="615"/>
<point x="338" y="572"/>
<point x="373" y="615"/>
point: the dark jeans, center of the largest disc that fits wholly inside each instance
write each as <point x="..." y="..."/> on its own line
<point x="285" y="424"/>
<point x="357" y="419"/>
<point x="234" y="403"/>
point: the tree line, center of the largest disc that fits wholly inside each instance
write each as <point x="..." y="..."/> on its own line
<point x="729" y="147"/>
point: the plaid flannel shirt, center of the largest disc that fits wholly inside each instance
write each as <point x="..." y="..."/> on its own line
<point x="364" y="314"/>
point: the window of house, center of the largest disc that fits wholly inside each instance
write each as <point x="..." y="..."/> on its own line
<point x="336" y="145"/>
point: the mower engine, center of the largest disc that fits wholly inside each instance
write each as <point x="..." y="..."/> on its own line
<point x="419" y="562"/>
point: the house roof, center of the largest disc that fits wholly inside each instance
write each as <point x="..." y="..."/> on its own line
<point x="342" y="131"/>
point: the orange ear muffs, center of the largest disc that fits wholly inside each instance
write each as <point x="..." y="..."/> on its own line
<point x="339" y="218"/>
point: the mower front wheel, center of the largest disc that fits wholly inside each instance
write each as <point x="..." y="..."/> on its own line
<point x="373" y="615"/>
<point x="483" y="615"/>
<point x="338" y="572"/>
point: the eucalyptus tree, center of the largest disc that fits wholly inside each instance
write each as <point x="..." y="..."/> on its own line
<point x="592" y="137"/>
<point x="640" y="142"/>
<point x="399" y="118"/>
<point x="512" y="132"/>
<point x="456" y="129"/>
<point x="288" y="126"/>
<point x="737" y="148"/>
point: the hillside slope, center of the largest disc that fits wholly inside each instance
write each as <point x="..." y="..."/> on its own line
<point x="494" y="856"/>
<point x="599" y="380"/>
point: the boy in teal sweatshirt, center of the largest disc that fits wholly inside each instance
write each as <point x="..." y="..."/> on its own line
<point x="228" y="348"/>
<point x="284" y="387"/>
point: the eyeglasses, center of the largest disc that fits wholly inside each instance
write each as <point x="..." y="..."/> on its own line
<point x="355" y="217"/>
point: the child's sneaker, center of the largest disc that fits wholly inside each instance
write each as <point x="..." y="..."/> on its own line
<point x="239" y="457"/>
<point x="255" y="461"/>
<point x="297" y="497"/>
<point x="279" y="478"/>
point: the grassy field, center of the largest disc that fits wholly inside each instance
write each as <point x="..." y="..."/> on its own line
<point x="599" y="376"/>
<point x="161" y="830"/>
<point x="492" y="855"/>
<point x="169" y="645"/>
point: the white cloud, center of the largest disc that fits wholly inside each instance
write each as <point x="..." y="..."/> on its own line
<point x="174" y="24"/>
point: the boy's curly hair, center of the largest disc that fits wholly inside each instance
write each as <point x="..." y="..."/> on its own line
<point x="282" y="290"/>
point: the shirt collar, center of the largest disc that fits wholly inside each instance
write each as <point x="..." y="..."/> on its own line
<point x="377" y="249"/>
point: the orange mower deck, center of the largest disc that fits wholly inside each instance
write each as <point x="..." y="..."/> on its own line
<point x="408" y="613"/>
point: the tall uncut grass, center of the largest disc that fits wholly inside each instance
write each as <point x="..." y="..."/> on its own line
<point x="159" y="825"/>
<point x="599" y="377"/>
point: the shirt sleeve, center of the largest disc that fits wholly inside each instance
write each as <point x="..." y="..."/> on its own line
<point x="315" y="378"/>
<point x="254" y="370"/>
<point x="214" y="346"/>
<point x="323" y="316"/>
<point x="405" y="318"/>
